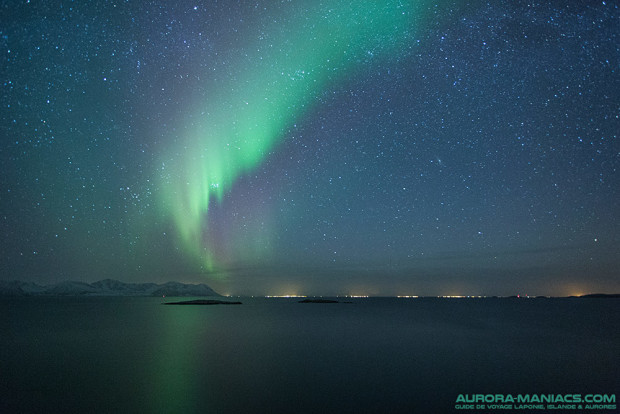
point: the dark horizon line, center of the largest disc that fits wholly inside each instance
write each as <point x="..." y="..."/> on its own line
<point x="195" y="285"/>
<point x="588" y="295"/>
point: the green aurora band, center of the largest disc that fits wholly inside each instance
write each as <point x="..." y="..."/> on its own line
<point x="277" y="79"/>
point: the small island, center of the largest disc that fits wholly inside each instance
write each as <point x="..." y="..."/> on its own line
<point x="203" y="302"/>
<point x="318" y="301"/>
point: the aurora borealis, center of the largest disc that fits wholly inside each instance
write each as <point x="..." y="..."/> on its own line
<point x="277" y="80"/>
<point x="400" y="147"/>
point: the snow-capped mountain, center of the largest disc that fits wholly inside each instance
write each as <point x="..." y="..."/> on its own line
<point x="69" y="288"/>
<point x="107" y="287"/>
<point x="17" y="288"/>
<point x="116" y="288"/>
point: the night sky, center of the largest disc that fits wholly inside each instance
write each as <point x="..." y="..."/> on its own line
<point x="313" y="147"/>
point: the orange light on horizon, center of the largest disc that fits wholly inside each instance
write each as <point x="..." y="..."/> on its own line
<point x="286" y="296"/>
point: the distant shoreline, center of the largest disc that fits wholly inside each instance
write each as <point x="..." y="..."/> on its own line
<point x="115" y="288"/>
<point x="106" y="287"/>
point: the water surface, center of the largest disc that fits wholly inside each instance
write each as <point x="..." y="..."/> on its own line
<point x="276" y="355"/>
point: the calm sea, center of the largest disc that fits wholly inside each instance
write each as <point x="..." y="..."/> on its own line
<point x="375" y="355"/>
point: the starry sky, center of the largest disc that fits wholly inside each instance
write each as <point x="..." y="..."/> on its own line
<point x="312" y="147"/>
